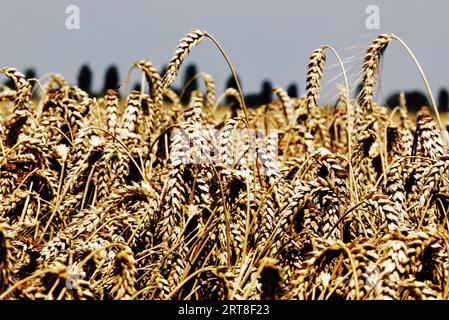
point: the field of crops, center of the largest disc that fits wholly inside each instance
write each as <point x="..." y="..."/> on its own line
<point x="144" y="198"/>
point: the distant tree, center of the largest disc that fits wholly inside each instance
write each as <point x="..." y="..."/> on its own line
<point x="293" y="91"/>
<point x="231" y="83"/>
<point x="443" y="100"/>
<point x="85" y="78"/>
<point x="253" y="100"/>
<point x="261" y="98"/>
<point x="30" y="73"/>
<point x="189" y="73"/>
<point x="137" y="86"/>
<point x="111" y="78"/>
<point x="267" y="92"/>
<point x="415" y="100"/>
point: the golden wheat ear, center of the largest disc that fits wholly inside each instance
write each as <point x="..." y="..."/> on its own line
<point x="314" y="74"/>
<point x="371" y="69"/>
<point x="287" y="106"/>
<point x="6" y="257"/>
<point x="55" y="79"/>
<point x="210" y="91"/>
<point x="111" y="105"/>
<point x="190" y="41"/>
<point x="153" y="78"/>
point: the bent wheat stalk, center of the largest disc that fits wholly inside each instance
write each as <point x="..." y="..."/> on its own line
<point x="424" y="78"/>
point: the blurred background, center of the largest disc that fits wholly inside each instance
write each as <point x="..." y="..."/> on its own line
<point x="268" y="41"/>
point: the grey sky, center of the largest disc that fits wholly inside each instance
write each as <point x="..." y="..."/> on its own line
<point x="265" y="39"/>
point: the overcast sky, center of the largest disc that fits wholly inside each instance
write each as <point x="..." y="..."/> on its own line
<point x="265" y="39"/>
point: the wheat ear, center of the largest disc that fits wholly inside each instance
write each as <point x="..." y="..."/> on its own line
<point x="371" y="69"/>
<point x="190" y="41"/>
<point x="314" y="74"/>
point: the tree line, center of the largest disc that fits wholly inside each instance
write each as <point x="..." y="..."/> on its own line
<point x="415" y="99"/>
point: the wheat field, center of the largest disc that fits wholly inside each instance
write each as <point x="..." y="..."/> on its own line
<point x="105" y="199"/>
